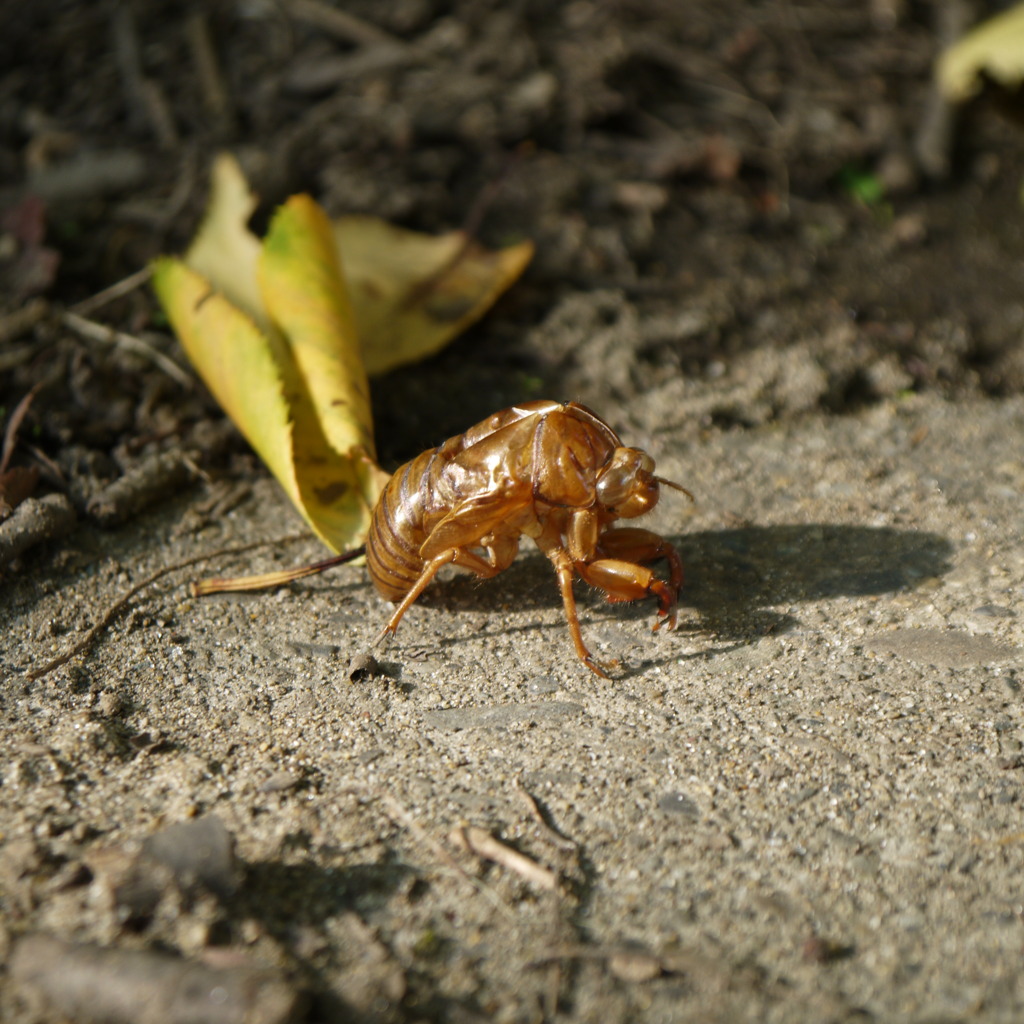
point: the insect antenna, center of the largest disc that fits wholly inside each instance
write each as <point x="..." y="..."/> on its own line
<point x="675" y="487"/>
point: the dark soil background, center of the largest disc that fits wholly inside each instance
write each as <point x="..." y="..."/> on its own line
<point x="744" y="213"/>
<point x="742" y="182"/>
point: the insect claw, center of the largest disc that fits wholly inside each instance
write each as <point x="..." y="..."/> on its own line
<point x="668" y="620"/>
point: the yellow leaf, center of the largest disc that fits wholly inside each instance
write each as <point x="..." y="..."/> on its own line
<point x="413" y="293"/>
<point x="995" y="47"/>
<point x="224" y="250"/>
<point x="239" y="370"/>
<point x="243" y="375"/>
<point x="264" y="362"/>
<point x="280" y="331"/>
<point x="325" y="383"/>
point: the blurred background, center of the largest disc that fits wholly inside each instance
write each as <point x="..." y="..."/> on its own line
<point x="741" y="211"/>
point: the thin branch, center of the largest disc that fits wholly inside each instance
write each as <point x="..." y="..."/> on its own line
<point x="215" y="93"/>
<point x="21" y="321"/>
<point x="145" y="100"/>
<point x="93" y="331"/>
<point x="400" y="816"/>
<point x="340" y="24"/>
<point x="120" y="288"/>
<point x="14" y="425"/>
<point x="83" y="645"/>
<point x="553" y="837"/>
<point x="128" y="57"/>
<point x="483" y="844"/>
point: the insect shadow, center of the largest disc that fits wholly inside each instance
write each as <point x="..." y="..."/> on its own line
<point x="276" y="893"/>
<point x="735" y="579"/>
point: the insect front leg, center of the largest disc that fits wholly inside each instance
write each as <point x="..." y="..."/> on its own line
<point x="631" y="544"/>
<point x="622" y="579"/>
<point x="627" y="581"/>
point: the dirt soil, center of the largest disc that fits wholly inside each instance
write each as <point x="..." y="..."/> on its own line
<point x="769" y="255"/>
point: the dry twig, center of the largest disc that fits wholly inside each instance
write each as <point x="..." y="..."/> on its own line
<point x="21" y="320"/>
<point x="115" y="291"/>
<point x="400" y="816"/>
<point x="92" y="331"/>
<point x="932" y="143"/>
<point x="145" y="100"/>
<point x="13" y="425"/>
<point x="145" y="482"/>
<point x="215" y="94"/>
<point x="483" y="844"/>
<point x="549" y="833"/>
<point x="83" y="644"/>
<point x="340" y="24"/>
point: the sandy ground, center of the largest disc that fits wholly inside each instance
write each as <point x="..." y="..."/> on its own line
<point x="803" y="804"/>
<point x="769" y="254"/>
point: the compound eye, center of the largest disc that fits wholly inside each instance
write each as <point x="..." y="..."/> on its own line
<point x="626" y="477"/>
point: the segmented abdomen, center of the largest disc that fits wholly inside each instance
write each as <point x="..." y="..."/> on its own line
<point x="399" y="525"/>
<point x="416" y="498"/>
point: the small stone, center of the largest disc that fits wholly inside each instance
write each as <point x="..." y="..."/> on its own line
<point x="363" y="666"/>
<point x="200" y="851"/>
<point x="634" y="965"/>
<point x="280" y="781"/>
<point x="543" y="684"/>
<point x="110" y="703"/>
<point x="995" y="611"/>
<point x="679" y="803"/>
<point x="942" y="648"/>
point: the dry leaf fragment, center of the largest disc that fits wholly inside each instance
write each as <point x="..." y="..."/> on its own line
<point x="994" y="48"/>
<point x="413" y="293"/>
<point x="16" y="482"/>
<point x="30" y="267"/>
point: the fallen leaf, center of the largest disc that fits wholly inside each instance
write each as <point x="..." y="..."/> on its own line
<point x="256" y="382"/>
<point x="31" y="267"/>
<point x="224" y="250"/>
<point x="16" y="484"/>
<point x="307" y="299"/>
<point x="284" y="333"/>
<point x="413" y="293"/>
<point x="994" y="48"/>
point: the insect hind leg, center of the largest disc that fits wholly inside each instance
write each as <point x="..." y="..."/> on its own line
<point x="499" y="556"/>
<point x="430" y="570"/>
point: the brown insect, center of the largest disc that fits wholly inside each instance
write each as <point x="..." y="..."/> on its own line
<point x="547" y="470"/>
